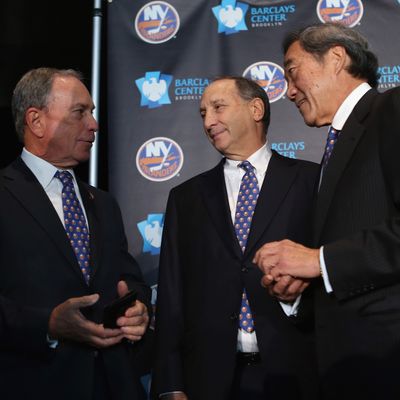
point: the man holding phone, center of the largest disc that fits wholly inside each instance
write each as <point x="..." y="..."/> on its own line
<point x="63" y="257"/>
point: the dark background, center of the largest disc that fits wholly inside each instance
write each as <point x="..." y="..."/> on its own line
<point x="52" y="34"/>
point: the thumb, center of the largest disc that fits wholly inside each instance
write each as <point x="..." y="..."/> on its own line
<point x="85" y="301"/>
<point x="122" y="288"/>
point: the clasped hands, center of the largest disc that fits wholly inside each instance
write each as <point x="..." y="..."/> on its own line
<point x="287" y="267"/>
<point x="67" y="322"/>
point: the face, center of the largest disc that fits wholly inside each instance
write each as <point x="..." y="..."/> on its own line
<point x="311" y="85"/>
<point x="68" y="124"/>
<point x="230" y="122"/>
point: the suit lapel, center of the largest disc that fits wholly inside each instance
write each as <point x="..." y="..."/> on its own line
<point x="351" y="133"/>
<point x="215" y="198"/>
<point x="279" y="177"/>
<point x="23" y="185"/>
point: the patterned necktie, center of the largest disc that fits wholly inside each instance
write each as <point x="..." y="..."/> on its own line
<point x="333" y="135"/>
<point x="75" y="223"/>
<point x="246" y="203"/>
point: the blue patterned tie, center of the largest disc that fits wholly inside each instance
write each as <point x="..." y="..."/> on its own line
<point x="246" y="203"/>
<point x="333" y="135"/>
<point x="75" y="223"/>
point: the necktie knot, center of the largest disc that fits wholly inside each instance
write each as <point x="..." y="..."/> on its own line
<point x="65" y="177"/>
<point x="246" y="165"/>
<point x="333" y="136"/>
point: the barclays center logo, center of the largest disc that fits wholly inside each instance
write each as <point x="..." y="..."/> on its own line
<point x="270" y="76"/>
<point x="151" y="232"/>
<point x="157" y="22"/>
<point x="346" y="12"/>
<point x="230" y="15"/>
<point x="159" y="159"/>
<point x="153" y="88"/>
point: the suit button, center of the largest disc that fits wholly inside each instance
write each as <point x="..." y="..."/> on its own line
<point x="95" y="353"/>
<point x="244" y="269"/>
<point x="234" y="316"/>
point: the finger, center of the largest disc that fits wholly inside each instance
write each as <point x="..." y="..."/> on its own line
<point x="137" y="309"/>
<point x="267" y="280"/>
<point x="264" y="251"/>
<point x="84" y="301"/>
<point x="122" y="288"/>
<point x="105" y="342"/>
<point x="280" y="288"/>
<point x="295" y="288"/>
<point x="134" y="330"/>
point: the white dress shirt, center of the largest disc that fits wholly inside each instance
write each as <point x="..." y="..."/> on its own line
<point x="247" y="342"/>
<point x="338" y="122"/>
<point x="44" y="173"/>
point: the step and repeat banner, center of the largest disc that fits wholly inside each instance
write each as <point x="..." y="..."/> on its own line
<point x="161" y="57"/>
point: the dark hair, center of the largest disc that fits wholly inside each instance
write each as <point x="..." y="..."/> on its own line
<point x="249" y="90"/>
<point x="33" y="90"/>
<point x="317" y="39"/>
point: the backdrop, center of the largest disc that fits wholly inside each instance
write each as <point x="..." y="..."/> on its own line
<point x="162" y="55"/>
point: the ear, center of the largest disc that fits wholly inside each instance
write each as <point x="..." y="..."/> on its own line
<point x="34" y="118"/>
<point x="257" y="108"/>
<point x="339" y="58"/>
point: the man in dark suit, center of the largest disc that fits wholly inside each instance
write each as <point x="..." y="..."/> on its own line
<point x="356" y="263"/>
<point x="206" y="349"/>
<point x="63" y="257"/>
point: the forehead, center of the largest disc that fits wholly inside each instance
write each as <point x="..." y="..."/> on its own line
<point x="222" y="89"/>
<point x="69" y="90"/>
<point x="296" y="54"/>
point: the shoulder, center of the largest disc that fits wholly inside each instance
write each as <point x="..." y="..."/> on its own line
<point x="213" y="174"/>
<point x="303" y="165"/>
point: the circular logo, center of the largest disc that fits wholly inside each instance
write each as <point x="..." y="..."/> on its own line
<point x="347" y="13"/>
<point x="159" y="159"/>
<point x="156" y="22"/>
<point x="270" y="77"/>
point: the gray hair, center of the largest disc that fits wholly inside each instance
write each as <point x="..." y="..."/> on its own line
<point x="317" y="39"/>
<point x="249" y="90"/>
<point x="33" y="90"/>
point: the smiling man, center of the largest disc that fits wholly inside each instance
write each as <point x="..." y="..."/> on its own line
<point x="220" y="336"/>
<point x="355" y="259"/>
<point x="63" y="256"/>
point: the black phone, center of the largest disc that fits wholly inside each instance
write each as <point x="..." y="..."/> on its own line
<point x="117" y="309"/>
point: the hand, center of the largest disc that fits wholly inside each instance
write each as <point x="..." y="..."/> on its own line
<point x="276" y="259"/>
<point x="286" y="289"/>
<point x="67" y="322"/>
<point x="174" y="396"/>
<point x="136" y="318"/>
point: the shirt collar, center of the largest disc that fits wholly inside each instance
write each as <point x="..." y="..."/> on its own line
<point x="259" y="160"/>
<point x="348" y="105"/>
<point x="43" y="170"/>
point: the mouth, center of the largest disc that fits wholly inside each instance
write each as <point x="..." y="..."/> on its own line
<point x="213" y="133"/>
<point x="300" y="102"/>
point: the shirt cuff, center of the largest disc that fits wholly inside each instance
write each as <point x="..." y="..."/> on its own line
<point x="52" y="343"/>
<point x="290" y="309"/>
<point x="324" y="272"/>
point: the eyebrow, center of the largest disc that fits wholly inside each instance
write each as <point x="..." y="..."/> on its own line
<point x="287" y="63"/>
<point x="84" y="105"/>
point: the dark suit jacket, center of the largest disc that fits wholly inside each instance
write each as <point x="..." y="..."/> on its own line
<point x="202" y="276"/>
<point x="38" y="271"/>
<point x="357" y="221"/>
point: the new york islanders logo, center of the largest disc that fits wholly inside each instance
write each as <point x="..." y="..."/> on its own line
<point x="153" y="88"/>
<point x="270" y="77"/>
<point x="159" y="159"/>
<point x="230" y="15"/>
<point x="346" y="12"/>
<point x="156" y="22"/>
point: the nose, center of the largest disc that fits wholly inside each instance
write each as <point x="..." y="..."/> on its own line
<point x="209" y="120"/>
<point x="93" y="124"/>
<point x="291" y="91"/>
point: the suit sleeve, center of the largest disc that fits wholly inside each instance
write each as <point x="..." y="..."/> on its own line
<point x="168" y="373"/>
<point x="24" y="329"/>
<point x="370" y="258"/>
